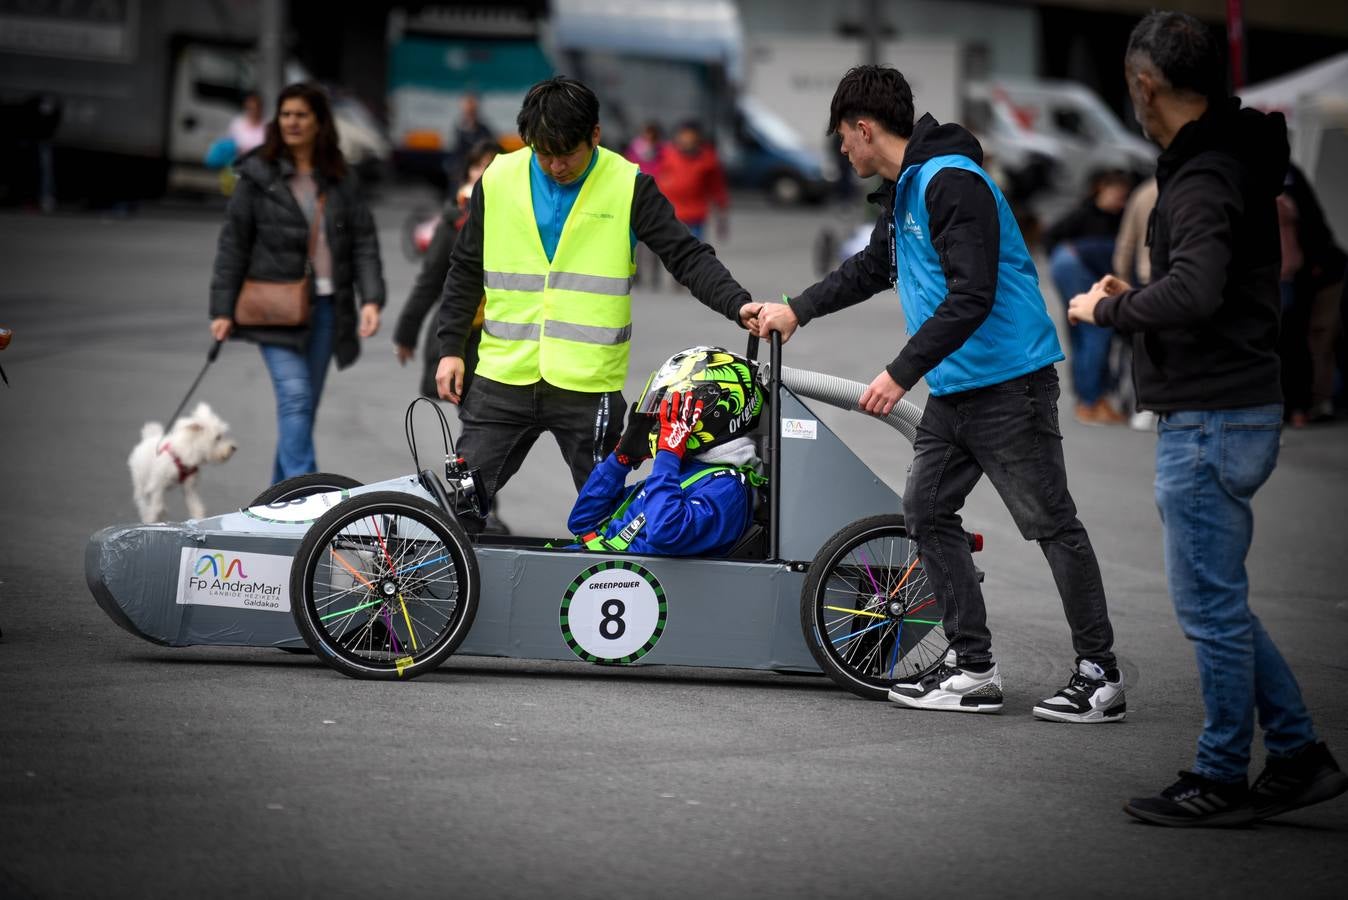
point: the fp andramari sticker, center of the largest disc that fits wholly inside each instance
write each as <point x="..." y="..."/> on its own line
<point x="300" y="511"/>
<point x="613" y="612"/>
<point x="257" y="581"/>
<point x="802" y="429"/>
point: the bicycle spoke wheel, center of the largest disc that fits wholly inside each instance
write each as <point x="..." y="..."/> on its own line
<point x="384" y="586"/>
<point x="868" y="611"/>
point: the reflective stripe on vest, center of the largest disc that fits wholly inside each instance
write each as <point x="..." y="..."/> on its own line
<point x="568" y="322"/>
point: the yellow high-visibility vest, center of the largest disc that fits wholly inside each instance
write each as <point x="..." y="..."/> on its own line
<point x="568" y="322"/>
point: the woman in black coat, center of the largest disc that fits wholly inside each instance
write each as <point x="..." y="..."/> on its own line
<point x="266" y="236"/>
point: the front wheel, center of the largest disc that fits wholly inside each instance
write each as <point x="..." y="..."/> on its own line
<point x="867" y="609"/>
<point x="384" y="586"/>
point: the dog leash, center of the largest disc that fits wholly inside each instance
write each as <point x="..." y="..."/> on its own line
<point x="210" y="358"/>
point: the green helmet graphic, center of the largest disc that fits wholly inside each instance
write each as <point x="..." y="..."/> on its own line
<point x="729" y="386"/>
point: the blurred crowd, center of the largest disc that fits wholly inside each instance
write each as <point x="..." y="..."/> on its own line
<point x="1107" y="233"/>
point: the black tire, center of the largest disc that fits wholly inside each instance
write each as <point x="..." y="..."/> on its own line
<point x="785" y="189"/>
<point x="366" y="637"/>
<point x="304" y="486"/>
<point x="867" y="609"/>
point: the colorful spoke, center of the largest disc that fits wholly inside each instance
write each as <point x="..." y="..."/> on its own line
<point x="392" y="568"/>
<point x="408" y="619"/>
<point x="350" y="568"/>
<point x="856" y="612"/>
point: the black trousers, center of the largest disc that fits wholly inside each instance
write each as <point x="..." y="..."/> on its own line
<point x="1009" y="432"/>
<point x="501" y="422"/>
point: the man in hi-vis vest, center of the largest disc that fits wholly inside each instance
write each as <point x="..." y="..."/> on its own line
<point x="550" y="238"/>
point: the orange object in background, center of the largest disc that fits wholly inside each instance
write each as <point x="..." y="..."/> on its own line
<point x="423" y="140"/>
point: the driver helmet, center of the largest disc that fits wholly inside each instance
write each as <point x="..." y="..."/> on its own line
<point x="729" y="386"/>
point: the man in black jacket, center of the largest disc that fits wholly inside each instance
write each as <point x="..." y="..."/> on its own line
<point x="1205" y="333"/>
<point x="541" y="368"/>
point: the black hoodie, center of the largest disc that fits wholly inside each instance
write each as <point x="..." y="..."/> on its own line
<point x="1205" y="331"/>
<point x="966" y="233"/>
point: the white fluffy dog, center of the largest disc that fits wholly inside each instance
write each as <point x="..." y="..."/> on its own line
<point x="161" y="461"/>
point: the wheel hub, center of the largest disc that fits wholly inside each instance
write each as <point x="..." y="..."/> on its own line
<point x="388" y="588"/>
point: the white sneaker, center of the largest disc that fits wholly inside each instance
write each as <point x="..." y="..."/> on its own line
<point x="1142" y="420"/>
<point x="1088" y="698"/>
<point x="946" y="686"/>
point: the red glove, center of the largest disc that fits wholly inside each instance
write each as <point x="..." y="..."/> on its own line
<point x="679" y="415"/>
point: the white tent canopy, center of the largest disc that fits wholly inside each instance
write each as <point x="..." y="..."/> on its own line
<point x="1315" y="102"/>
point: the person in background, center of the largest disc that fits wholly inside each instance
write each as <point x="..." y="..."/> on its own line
<point x="1081" y="252"/>
<point x="1312" y="282"/>
<point x="467" y="132"/>
<point x="1204" y="349"/>
<point x="1132" y="263"/>
<point x="690" y="175"/>
<point x="431" y="280"/>
<point x="694" y="418"/>
<point x="266" y="236"/>
<point x="646" y="149"/>
<point x="248" y="130"/>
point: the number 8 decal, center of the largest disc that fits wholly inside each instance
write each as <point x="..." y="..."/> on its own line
<point x="613" y="612"/>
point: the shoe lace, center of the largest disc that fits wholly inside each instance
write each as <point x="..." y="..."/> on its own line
<point x="1079" y="684"/>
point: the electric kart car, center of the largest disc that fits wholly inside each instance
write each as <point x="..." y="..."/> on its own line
<point x="381" y="581"/>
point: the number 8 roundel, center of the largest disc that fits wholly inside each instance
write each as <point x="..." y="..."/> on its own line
<point x="613" y="612"/>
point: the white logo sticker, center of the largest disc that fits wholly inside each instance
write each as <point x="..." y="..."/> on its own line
<point x="258" y="581"/>
<point x="299" y="511"/>
<point x="804" y="429"/>
<point x="613" y="612"/>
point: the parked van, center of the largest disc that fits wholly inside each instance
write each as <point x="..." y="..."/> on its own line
<point x="1071" y="123"/>
<point x="210" y="81"/>
<point x="766" y="154"/>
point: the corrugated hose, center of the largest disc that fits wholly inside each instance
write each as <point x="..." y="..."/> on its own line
<point x="845" y="394"/>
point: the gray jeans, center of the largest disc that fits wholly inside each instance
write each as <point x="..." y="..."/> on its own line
<point x="1009" y="432"/>
<point x="502" y="421"/>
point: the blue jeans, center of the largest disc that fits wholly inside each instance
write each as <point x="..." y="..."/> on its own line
<point x="1009" y="432"/>
<point x="297" y="377"/>
<point x="1089" y="357"/>
<point x="1209" y="463"/>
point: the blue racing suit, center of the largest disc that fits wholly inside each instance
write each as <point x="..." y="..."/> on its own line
<point x="685" y="508"/>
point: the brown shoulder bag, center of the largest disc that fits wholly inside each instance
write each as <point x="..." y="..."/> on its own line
<point x="280" y="302"/>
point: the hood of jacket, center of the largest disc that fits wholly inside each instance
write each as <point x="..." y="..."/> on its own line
<point x="1258" y="140"/>
<point x="929" y="140"/>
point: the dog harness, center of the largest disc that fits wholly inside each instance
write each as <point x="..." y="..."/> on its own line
<point x="184" y="472"/>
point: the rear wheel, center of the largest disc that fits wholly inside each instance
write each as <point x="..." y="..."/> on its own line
<point x="867" y="608"/>
<point x="304" y="486"/>
<point x="384" y="586"/>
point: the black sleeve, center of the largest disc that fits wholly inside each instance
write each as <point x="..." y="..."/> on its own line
<point x="463" y="286"/>
<point x="233" y="250"/>
<point x="1202" y="208"/>
<point x="692" y="262"/>
<point x="430" y="282"/>
<point x="861" y="277"/>
<point x="369" y="265"/>
<point x="966" y="233"/>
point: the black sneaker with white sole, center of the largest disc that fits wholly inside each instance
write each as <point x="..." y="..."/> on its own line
<point x="947" y="686"/>
<point x="1195" y="801"/>
<point x="1091" y="696"/>
<point x="1310" y="775"/>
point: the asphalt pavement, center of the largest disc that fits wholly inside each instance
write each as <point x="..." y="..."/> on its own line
<point x="129" y="769"/>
